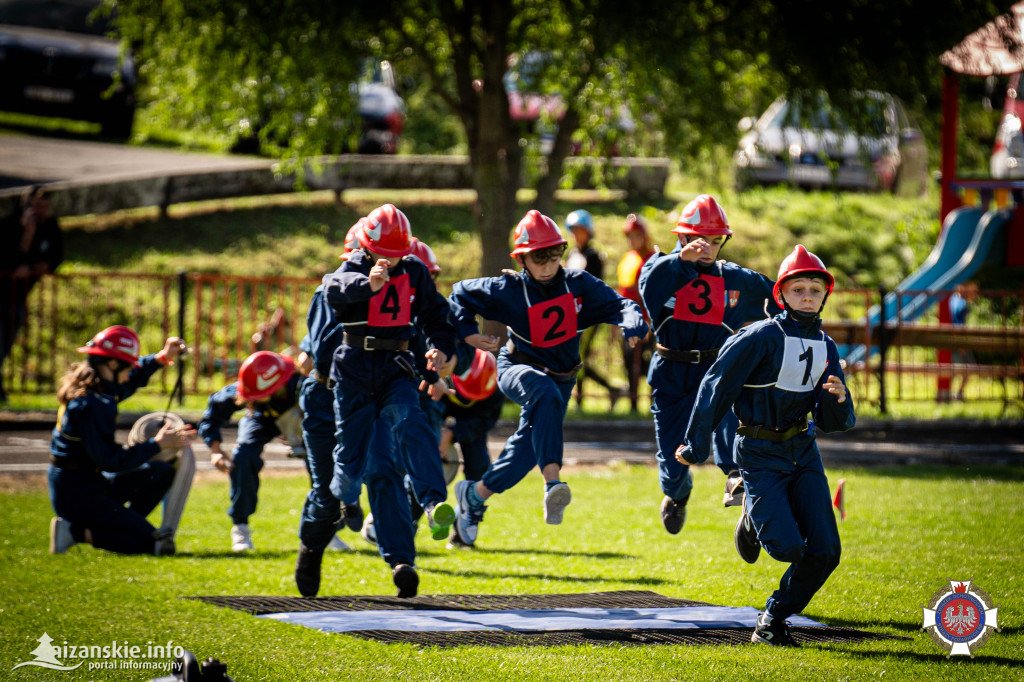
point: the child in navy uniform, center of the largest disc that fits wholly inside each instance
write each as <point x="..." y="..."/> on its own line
<point x="545" y="308"/>
<point x="91" y="476"/>
<point x="470" y="414"/>
<point x="267" y="387"/>
<point x="774" y="373"/>
<point x="695" y="302"/>
<point x="382" y="297"/>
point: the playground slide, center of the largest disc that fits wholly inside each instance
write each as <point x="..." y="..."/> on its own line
<point x="969" y="239"/>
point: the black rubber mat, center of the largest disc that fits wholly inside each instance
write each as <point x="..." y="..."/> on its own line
<point x="258" y="605"/>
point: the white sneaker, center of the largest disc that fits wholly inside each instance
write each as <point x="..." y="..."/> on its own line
<point x="241" y="538"/>
<point x="368" y="531"/>
<point x="555" y="501"/>
<point x="338" y="543"/>
<point x="60" y="535"/>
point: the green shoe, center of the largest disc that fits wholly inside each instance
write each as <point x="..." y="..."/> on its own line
<point x="441" y="517"/>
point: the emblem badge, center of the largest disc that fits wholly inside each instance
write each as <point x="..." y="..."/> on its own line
<point x="960" y="617"/>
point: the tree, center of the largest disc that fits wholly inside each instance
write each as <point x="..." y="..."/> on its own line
<point x="693" y="66"/>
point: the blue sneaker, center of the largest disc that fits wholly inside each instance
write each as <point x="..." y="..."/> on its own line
<point x="466" y="518"/>
<point x="441" y="517"/>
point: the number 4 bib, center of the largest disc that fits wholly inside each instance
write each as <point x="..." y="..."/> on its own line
<point x="701" y="300"/>
<point x="803" y="363"/>
<point x="392" y="305"/>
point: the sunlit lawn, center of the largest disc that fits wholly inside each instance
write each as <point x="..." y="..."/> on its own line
<point x="909" y="531"/>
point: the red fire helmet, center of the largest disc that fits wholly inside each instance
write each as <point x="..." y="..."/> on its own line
<point x="479" y="381"/>
<point x="118" y="342"/>
<point x="802" y="262"/>
<point x="425" y="254"/>
<point x="262" y="373"/>
<point x="534" y="232"/>
<point x="386" y="231"/>
<point x="703" y="216"/>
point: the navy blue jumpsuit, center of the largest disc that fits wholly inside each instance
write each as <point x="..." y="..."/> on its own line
<point x="92" y="477"/>
<point x="321" y="512"/>
<point x="771" y="373"/>
<point x="693" y="309"/>
<point x="374" y="390"/>
<point x="255" y="430"/>
<point x="544" y="324"/>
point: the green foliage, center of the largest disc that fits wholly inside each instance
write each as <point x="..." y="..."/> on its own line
<point x="277" y="73"/>
<point x="899" y="547"/>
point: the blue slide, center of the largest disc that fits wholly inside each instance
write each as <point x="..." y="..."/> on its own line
<point x="969" y="239"/>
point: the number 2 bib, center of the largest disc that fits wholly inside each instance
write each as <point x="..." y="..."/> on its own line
<point x="552" y="322"/>
<point x="803" y="363"/>
<point x="701" y="300"/>
<point x="392" y="305"/>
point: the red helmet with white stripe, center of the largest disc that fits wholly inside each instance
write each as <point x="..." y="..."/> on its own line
<point x="802" y="262"/>
<point x="703" y="216"/>
<point x="425" y="254"/>
<point x="352" y="239"/>
<point x="386" y="231"/>
<point x="479" y="381"/>
<point x="534" y="232"/>
<point x="118" y="342"/>
<point x="262" y="373"/>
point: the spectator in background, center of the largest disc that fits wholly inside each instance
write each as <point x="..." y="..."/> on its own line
<point x="583" y="256"/>
<point x="959" y="308"/>
<point x="31" y="247"/>
<point x="636" y="360"/>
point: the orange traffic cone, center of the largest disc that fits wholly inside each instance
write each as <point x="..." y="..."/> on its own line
<point x="839" y="501"/>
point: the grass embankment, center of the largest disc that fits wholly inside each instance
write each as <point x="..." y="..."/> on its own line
<point x="866" y="239"/>
<point x="908" y="532"/>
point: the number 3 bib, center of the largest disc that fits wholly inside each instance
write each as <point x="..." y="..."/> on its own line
<point x="803" y="363"/>
<point x="552" y="322"/>
<point x="701" y="300"/>
<point x="392" y="305"/>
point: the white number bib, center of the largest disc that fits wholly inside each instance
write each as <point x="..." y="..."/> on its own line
<point x="803" y="363"/>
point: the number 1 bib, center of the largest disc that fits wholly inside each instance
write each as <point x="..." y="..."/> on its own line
<point x="392" y="305"/>
<point x="803" y="363"/>
<point x="552" y="322"/>
<point x="701" y="300"/>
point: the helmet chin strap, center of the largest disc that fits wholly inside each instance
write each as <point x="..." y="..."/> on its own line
<point x="799" y="315"/>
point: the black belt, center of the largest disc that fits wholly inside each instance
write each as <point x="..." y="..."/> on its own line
<point x="780" y="435"/>
<point x="374" y="343"/>
<point x="691" y="356"/>
<point x="560" y="377"/>
<point x="71" y="465"/>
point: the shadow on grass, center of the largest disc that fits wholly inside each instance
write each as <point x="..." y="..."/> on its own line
<point x="650" y="582"/>
<point x="863" y="624"/>
<point x="939" y="657"/>
<point x="960" y="473"/>
<point x="271" y="555"/>
<point x="551" y="552"/>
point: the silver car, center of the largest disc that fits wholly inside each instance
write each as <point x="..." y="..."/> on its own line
<point x="805" y="142"/>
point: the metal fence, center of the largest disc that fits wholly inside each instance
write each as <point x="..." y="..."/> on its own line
<point x="225" y="318"/>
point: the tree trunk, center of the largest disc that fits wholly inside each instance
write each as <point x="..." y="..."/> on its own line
<point x="548" y="182"/>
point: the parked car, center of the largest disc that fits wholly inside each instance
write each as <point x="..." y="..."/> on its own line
<point x="56" y="59"/>
<point x="1008" y="152"/>
<point x="806" y="142"/>
<point x="381" y="108"/>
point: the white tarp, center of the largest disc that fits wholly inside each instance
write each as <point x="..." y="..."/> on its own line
<point x="532" y="620"/>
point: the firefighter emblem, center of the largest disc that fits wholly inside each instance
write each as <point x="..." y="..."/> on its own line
<point x="960" y="617"/>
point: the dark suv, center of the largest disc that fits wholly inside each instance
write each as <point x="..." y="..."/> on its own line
<point x="56" y="59"/>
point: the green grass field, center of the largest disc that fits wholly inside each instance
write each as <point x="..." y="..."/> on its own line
<point x="908" y="531"/>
